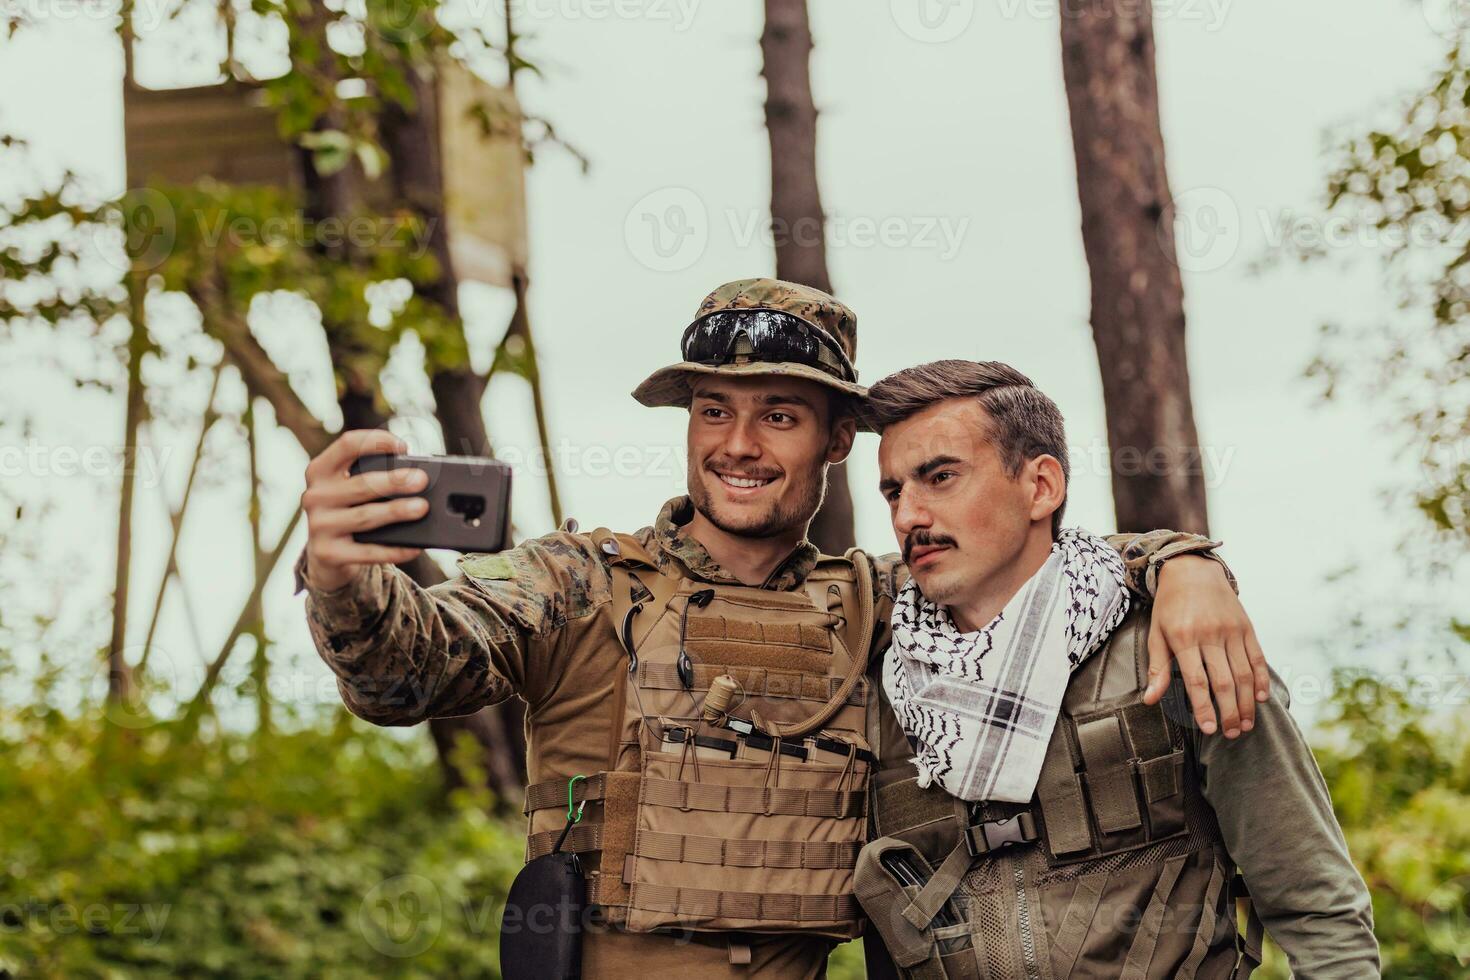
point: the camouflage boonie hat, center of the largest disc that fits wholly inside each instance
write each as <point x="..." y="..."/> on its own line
<point x="671" y="385"/>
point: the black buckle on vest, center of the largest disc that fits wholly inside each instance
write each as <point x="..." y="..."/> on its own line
<point x="992" y="835"/>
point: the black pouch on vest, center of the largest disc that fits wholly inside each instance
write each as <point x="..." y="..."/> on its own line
<point x="541" y="930"/>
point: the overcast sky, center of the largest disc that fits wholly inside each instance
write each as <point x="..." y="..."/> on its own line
<point x="947" y="170"/>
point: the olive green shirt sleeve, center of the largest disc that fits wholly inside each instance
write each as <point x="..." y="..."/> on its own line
<point x="403" y="653"/>
<point x="1276" y="817"/>
<point x="1144" y="554"/>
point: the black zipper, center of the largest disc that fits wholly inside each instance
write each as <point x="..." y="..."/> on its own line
<point x="1023" y="921"/>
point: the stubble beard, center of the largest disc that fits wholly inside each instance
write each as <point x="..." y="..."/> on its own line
<point x="942" y="590"/>
<point x="775" y="521"/>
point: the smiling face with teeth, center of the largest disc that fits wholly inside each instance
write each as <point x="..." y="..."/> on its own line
<point x="759" y="447"/>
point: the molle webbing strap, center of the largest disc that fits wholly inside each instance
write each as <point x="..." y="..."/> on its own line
<point x="715" y="798"/>
<point x="690" y="849"/>
<point x="619" y="829"/>
<point x="755" y="682"/>
<point x="1076" y="922"/>
<point x="1109" y="774"/>
<point x="1060" y="793"/>
<point x="553" y="793"/>
<point x="795" y="637"/>
<point x="1209" y="915"/>
<point x="1141" y="953"/>
<point x="1249" y="943"/>
<point x="693" y="904"/>
<point x="902" y="805"/>
<point x="581" y="838"/>
<point x="760" y="742"/>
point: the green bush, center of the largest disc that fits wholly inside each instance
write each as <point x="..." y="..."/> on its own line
<point x="1399" y="771"/>
<point x="320" y="853"/>
<point x="327" y="852"/>
<point x="331" y="851"/>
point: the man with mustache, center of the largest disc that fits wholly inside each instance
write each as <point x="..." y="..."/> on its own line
<point x="1035" y="816"/>
<point x="732" y="820"/>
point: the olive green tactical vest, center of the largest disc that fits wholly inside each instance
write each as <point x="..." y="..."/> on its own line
<point x="1115" y="868"/>
<point x="751" y="823"/>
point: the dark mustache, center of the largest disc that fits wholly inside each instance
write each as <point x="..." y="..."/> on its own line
<point x="926" y="538"/>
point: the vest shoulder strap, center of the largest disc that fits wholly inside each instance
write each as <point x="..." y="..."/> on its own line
<point x="636" y="582"/>
<point x="621" y="549"/>
<point x="1118" y="670"/>
<point x="833" y="586"/>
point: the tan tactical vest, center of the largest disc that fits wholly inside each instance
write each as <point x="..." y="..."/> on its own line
<point x="1115" y="868"/>
<point x="752" y="822"/>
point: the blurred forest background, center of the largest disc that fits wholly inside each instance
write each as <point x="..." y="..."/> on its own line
<point x="344" y="194"/>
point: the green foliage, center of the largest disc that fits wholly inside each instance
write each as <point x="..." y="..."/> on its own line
<point x="847" y="962"/>
<point x="46" y="240"/>
<point x="390" y="40"/>
<point x="327" y="852"/>
<point x="237" y="242"/>
<point x="1400" y="780"/>
<point x="1404" y="190"/>
<point x="320" y="853"/>
<point x="1399" y="765"/>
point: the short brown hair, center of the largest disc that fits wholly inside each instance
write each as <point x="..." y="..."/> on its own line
<point x="1024" y="422"/>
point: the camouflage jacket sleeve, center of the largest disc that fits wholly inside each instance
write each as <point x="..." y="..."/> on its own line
<point x="1276" y="817"/>
<point x="1144" y="554"/>
<point x="403" y="653"/>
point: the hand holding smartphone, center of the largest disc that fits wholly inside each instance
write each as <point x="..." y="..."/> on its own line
<point x="368" y="502"/>
<point x="469" y="503"/>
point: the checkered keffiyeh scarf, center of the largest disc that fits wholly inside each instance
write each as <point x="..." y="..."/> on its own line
<point x="982" y="705"/>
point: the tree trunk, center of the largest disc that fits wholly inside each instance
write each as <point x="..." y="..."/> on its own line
<point x="791" y="121"/>
<point x="119" y="677"/>
<point x="1137" y="292"/>
<point x="411" y="139"/>
<point x="260" y="662"/>
<point x="526" y="365"/>
<point x="797" y="221"/>
<point x="412" y="142"/>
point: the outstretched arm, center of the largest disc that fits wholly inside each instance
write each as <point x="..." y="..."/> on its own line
<point x="403" y="653"/>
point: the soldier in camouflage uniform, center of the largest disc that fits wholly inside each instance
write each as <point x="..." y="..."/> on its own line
<point x="773" y="401"/>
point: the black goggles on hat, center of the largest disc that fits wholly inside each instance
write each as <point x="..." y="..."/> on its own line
<point x="738" y="336"/>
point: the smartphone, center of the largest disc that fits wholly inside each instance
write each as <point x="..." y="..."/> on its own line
<point x="469" y="503"/>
